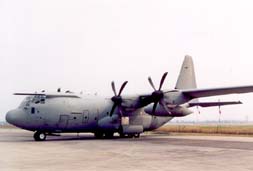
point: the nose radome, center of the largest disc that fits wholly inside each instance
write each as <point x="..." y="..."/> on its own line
<point x="10" y="117"/>
<point x="15" y="117"/>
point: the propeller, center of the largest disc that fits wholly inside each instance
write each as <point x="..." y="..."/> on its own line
<point x="158" y="95"/>
<point x="117" y="99"/>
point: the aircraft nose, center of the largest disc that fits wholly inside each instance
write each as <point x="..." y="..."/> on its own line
<point x="15" y="117"/>
<point x="10" y="116"/>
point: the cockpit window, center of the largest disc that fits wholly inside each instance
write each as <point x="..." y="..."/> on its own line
<point x="39" y="99"/>
<point x="26" y="102"/>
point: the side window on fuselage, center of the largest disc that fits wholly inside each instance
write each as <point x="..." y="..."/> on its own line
<point x="32" y="110"/>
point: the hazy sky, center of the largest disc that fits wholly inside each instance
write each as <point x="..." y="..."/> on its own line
<point x="84" y="45"/>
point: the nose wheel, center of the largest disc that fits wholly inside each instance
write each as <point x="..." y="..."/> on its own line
<point x="39" y="136"/>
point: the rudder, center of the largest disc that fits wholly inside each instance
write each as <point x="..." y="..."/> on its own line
<point x="186" y="78"/>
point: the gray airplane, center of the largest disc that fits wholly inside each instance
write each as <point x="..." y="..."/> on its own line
<point x="54" y="113"/>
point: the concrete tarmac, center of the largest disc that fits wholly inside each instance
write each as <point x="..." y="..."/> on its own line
<point x="156" y="152"/>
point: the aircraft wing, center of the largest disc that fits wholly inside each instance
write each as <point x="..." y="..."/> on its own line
<point x="197" y="93"/>
<point x="212" y="104"/>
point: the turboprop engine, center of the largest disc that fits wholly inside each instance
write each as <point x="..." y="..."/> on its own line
<point x="173" y="111"/>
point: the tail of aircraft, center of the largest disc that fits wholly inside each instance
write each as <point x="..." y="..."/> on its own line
<point x="186" y="78"/>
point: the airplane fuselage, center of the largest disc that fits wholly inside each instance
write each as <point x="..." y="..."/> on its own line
<point x="85" y="114"/>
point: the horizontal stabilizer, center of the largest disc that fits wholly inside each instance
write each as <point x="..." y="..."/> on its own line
<point x="197" y="93"/>
<point x="212" y="104"/>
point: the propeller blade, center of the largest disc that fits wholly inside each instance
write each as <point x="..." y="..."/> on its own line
<point x="113" y="108"/>
<point x="120" y="112"/>
<point x="162" y="80"/>
<point x="151" y="83"/>
<point x="154" y="107"/>
<point x="163" y="103"/>
<point x="122" y="87"/>
<point x="117" y="99"/>
<point x="113" y="88"/>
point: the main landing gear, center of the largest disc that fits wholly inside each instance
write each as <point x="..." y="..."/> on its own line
<point x="39" y="136"/>
<point x="101" y="135"/>
<point x="109" y="135"/>
<point x="137" y="135"/>
<point x="128" y="135"/>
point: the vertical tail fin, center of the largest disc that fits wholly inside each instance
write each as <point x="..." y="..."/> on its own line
<point x="186" y="78"/>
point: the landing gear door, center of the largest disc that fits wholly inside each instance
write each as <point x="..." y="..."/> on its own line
<point x="85" y="116"/>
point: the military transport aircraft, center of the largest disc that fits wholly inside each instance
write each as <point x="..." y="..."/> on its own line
<point x="54" y="113"/>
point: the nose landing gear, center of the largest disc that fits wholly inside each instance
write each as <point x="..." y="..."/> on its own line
<point x="39" y="136"/>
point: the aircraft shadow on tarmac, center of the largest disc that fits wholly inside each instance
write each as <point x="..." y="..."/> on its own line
<point x="151" y="139"/>
<point x="74" y="137"/>
<point x="147" y="139"/>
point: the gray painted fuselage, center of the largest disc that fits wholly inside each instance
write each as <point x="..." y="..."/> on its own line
<point x="84" y="114"/>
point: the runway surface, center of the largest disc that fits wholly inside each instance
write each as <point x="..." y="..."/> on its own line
<point x="153" y="152"/>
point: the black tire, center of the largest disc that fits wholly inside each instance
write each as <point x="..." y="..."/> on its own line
<point x="131" y="135"/>
<point x="99" y="135"/>
<point x="136" y="135"/>
<point x="39" y="136"/>
<point x="122" y="135"/>
<point x="109" y="135"/>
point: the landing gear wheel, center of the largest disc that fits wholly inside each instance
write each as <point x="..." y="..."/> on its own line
<point x="137" y="135"/>
<point x="130" y="135"/>
<point x="121" y="135"/>
<point x="39" y="136"/>
<point x="99" y="135"/>
<point x="109" y="135"/>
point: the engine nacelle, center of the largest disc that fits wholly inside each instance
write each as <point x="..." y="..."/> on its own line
<point x="178" y="111"/>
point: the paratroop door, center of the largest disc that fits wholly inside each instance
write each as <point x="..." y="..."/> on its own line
<point x="63" y="121"/>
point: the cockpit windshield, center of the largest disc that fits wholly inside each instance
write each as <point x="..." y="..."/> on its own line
<point x="37" y="99"/>
<point x="25" y="102"/>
